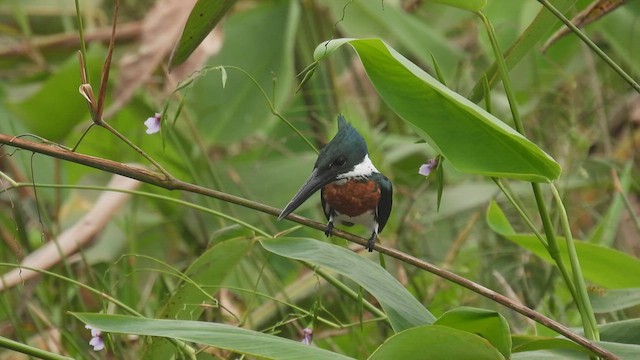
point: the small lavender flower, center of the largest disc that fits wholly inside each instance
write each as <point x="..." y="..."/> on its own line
<point x="307" y="336"/>
<point x="96" y="340"/>
<point x="426" y="169"/>
<point x="153" y="124"/>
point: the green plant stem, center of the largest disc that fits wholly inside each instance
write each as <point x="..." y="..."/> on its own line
<point x="156" y="179"/>
<point x="521" y="211"/>
<point x="553" y="249"/>
<point x="577" y="289"/>
<point x="589" y="321"/>
<point x="591" y="44"/>
<point x="504" y="74"/>
<point x="135" y="147"/>
<point x="83" y="47"/>
<point x="30" y="350"/>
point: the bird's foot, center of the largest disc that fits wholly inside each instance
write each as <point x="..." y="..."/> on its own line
<point x="329" y="230"/>
<point x="371" y="242"/>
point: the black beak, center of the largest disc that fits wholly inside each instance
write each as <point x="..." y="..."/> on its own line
<point x="313" y="184"/>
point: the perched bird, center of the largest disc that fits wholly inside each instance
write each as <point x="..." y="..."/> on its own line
<point x="352" y="190"/>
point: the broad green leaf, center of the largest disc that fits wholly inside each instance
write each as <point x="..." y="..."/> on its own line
<point x="626" y="331"/>
<point x="204" y="16"/>
<point x="473" y="140"/>
<point x="435" y="342"/>
<point x="243" y="341"/>
<point x="614" y="300"/>
<point x="601" y="265"/>
<point x="403" y="310"/>
<point x="208" y="271"/>
<point x="488" y="324"/>
<point x="57" y="107"/>
<point x="542" y="26"/>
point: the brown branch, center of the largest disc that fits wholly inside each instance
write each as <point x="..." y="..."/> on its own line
<point x="126" y="32"/>
<point x="160" y="180"/>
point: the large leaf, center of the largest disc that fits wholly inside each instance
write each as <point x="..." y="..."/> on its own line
<point x="222" y="336"/>
<point x="470" y="138"/>
<point x="600" y="265"/>
<point x="208" y="271"/>
<point x="204" y="16"/>
<point x="435" y="342"/>
<point x="403" y="310"/>
<point x="488" y="324"/>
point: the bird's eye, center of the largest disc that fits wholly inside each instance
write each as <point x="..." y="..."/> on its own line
<point x="339" y="161"/>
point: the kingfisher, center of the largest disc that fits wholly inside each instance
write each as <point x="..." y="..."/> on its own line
<point x="352" y="190"/>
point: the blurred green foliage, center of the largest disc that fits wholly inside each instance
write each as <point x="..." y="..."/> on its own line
<point x="574" y="108"/>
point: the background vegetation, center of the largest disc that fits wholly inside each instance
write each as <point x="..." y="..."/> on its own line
<point x="183" y="256"/>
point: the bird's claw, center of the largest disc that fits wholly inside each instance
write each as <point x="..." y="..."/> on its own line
<point x="371" y="242"/>
<point x="329" y="230"/>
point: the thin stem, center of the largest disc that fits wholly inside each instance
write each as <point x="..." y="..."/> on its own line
<point x="135" y="147"/>
<point x="30" y="350"/>
<point x="272" y="108"/>
<point x="270" y="104"/>
<point x="576" y="288"/>
<point x="589" y="322"/>
<point x="521" y="211"/>
<point x="83" y="47"/>
<point x="591" y="45"/>
<point x="502" y="70"/>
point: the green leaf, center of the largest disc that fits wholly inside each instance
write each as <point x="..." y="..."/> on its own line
<point x="600" y="265"/>
<point x="402" y="309"/>
<point x="614" y="300"/>
<point x="243" y="341"/>
<point x="57" y="107"/>
<point x="487" y="324"/>
<point x="625" y="332"/>
<point x="473" y="140"/>
<point x="204" y="16"/>
<point x="207" y="272"/>
<point x="435" y="342"/>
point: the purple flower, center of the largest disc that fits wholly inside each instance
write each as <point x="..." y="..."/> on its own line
<point x="96" y="340"/>
<point x="426" y="169"/>
<point x="153" y="124"/>
<point x="307" y="335"/>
